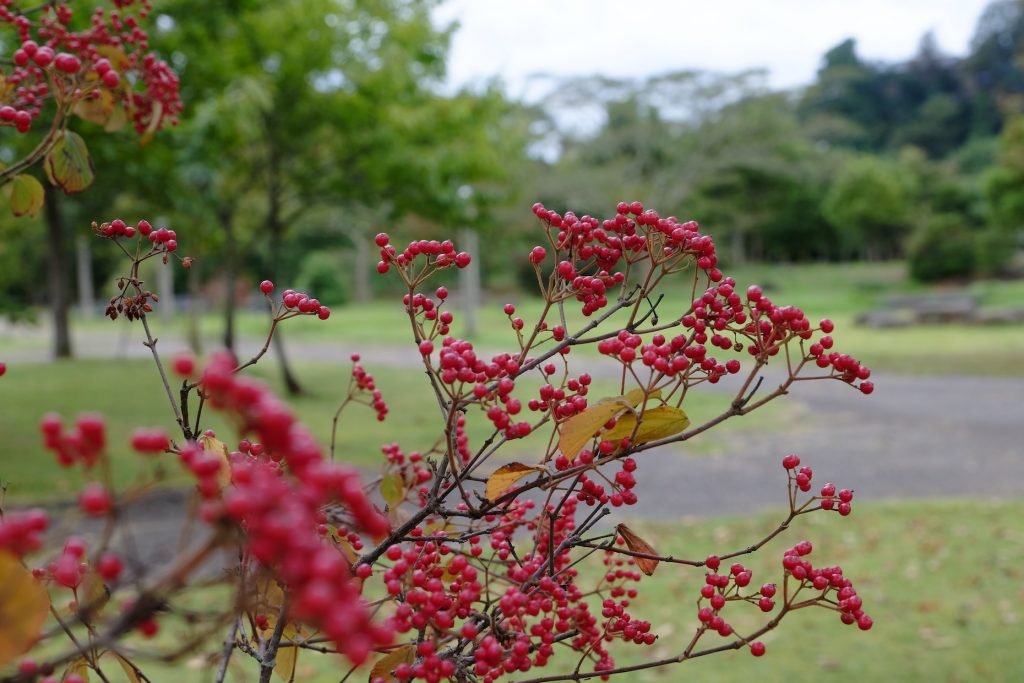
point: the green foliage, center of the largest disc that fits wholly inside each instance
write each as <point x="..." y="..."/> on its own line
<point x="324" y="276"/>
<point x="869" y="203"/>
<point x="941" y="248"/>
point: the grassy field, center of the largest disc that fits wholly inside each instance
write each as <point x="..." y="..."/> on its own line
<point x="942" y="581"/>
<point x="838" y="291"/>
<point x="129" y="394"/>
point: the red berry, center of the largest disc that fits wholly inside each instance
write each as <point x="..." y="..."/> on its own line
<point x="148" y="627"/>
<point x="43" y="57"/>
<point x="757" y="648"/>
<point x="323" y="313"/>
<point x="790" y="461"/>
<point x="111" y="79"/>
<point x="3" y="369"/>
<point x="266" y="286"/>
<point x="110" y="567"/>
<point x="867" y="387"/>
<point x="184" y="364"/>
<point x="94" y="500"/>
<point x="382" y="239"/>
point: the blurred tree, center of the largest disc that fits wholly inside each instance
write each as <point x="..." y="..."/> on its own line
<point x="992" y="71"/>
<point x="325" y="103"/>
<point x="845" y="104"/>
<point x="869" y="203"/>
<point x="1003" y="187"/>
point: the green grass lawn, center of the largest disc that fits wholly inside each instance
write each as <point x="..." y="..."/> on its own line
<point x="129" y="394"/>
<point x="943" y="581"/>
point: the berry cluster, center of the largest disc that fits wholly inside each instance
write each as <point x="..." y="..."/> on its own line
<point x="363" y="383"/>
<point x="619" y="574"/>
<point x="70" y="567"/>
<point x="282" y="514"/>
<point x="718" y="589"/>
<point x="410" y="468"/>
<point x="21" y="532"/>
<point x="830" y="499"/>
<point x="152" y="441"/>
<point x="835" y="591"/>
<point x="562" y="403"/>
<point x="84" y="444"/>
<point x="589" y="250"/>
<point x="438" y="255"/>
<point x="489" y="383"/>
<point x="84" y="66"/>
<point x="297" y="303"/>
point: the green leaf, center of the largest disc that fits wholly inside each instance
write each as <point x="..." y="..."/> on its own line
<point x="68" y="165"/>
<point x="392" y="488"/>
<point x="26" y="195"/>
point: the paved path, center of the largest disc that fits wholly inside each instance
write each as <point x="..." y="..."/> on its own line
<point x="915" y="437"/>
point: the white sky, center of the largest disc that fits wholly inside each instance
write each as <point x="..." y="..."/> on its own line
<point x="517" y="38"/>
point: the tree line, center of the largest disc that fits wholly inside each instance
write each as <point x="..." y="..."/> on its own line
<point x="311" y="125"/>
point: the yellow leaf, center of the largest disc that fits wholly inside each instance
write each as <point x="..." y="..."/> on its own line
<point x="656" y="423"/>
<point x="77" y="666"/>
<point x="129" y="671"/>
<point x="580" y="428"/>
<point x="155" y="116"/>
<point x="392" y="488"/>
<point x="638" y="545"/>
<point x="118" y="119"/>
<point x="96" y="110"/>
<point x="24" y="604"/>
<point x="25" y="194"/>
<point x="287" y="657"/>
<point x="68" y="164"/>
<point x="505" y="477"/>
<point x="116" y="56"/>
<point x="346" y="548"/>
<point x="93" y="595"/>
<point x="220" y="449"/>
<point x="383" y="668"/>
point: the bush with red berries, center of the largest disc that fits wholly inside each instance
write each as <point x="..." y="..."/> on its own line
<point x="64" y="66"/>
<point x="454" y="563"/>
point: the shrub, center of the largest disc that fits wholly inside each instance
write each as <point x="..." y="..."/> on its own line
<point x="450" y="565"/>
<point x="942" y="247"/>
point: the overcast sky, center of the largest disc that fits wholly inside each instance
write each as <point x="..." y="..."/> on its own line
<point x="517" y="38"/>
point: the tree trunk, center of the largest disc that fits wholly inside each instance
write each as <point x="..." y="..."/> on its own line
<point x="361" y="270"/>
<point x="230" y="277"/>
<point x="275" y="227"/>
<point x="60" y="294"/>
<point x="86" y="293"/>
